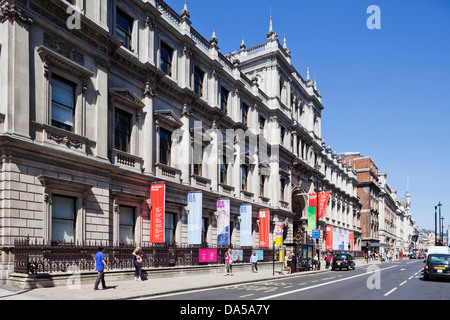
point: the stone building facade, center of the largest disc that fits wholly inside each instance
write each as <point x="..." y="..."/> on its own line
<point x="94" y="111"/>
<point x="386" y="220"/>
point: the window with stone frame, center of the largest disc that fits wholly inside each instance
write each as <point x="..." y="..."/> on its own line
<point x="63" y="219"/>
<point x="169" y="228"/>
<point x="166" y="57"/>
<point x="122" y="130"/>
<point x="198" y="81"/>
<point x="244" y="177"/>
<point x="165" y="146"/>
<point x="244" y="114"/>
<point x="124" y="28"/>
<point x="127" y="222"/>
<point x="224" y="93"/>
<point x="62" y="103"/>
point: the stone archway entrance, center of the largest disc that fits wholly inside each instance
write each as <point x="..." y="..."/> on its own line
<point x="300" y="219"/>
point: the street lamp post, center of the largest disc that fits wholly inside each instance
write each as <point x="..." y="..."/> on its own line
<point x="435" y="225"/>
<point x="441" y="235"/>
<point x="317" y="167"/>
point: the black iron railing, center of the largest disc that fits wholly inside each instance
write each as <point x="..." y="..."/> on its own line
<point x="35" y="257"/>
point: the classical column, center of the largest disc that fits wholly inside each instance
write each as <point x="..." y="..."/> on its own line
<point x="15" y="94"/>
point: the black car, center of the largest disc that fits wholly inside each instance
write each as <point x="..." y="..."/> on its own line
<point x="343" y="260"/>
<point x="437" y="265"/>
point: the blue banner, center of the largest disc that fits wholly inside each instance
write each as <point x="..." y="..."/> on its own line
<point x="223" y="222"/>
<point x="246" y="225"/>
<point x="195" y="218"/>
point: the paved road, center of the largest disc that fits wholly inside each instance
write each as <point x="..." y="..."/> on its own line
<point x="400" y="280"/>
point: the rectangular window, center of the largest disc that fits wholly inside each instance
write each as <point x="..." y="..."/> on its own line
<point x="63" y="219"/>
<point x="126" y="225"/>
<point x="262" y="180"/>
<point x="63" y="103"/>
<point x="223" y="170"/>
<point x="283" y="187"/>
<point x="244" y="110"/>
<point x="224" y="99"/>
<point x="262" y="122"/>
<point x="124" y="28"/>
<point x="169" y="228"/>
<point x="244" y="176"/>
<point x="198" y="81"/>
<point x="122" y="132"/>
<point x="165" y="61"/>
<point x="165" y="145"/>
<point x="205" y="224"/>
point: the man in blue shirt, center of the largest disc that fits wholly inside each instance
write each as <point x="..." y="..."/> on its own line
<point x="100" y="266"/>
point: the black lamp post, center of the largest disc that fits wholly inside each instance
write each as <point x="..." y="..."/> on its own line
<point x="435" y="226"/>
<point x="440" y="238"/>
<point x="317" y="168"/>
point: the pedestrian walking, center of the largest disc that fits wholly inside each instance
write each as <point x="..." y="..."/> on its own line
<point x="289" y="263"/>
<point x="254" y="262"/>
<point x="228" y="263"/>
<point x="328" y="261"/>
<point x="137" y="262"/>
<point x="100" y="265"/>
<point x="315" y="262"/>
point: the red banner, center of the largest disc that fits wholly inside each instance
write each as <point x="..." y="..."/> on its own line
<point x="157" y="201"/>
<point x="329" y="243"/>
<point x="323" y="201"/>
<point x="312" y="199"/>
<point x="264" y="228"/>
<point x="350" y="240"/>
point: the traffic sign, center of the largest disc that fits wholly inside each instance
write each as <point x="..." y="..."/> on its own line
<point x="316" y="234"/>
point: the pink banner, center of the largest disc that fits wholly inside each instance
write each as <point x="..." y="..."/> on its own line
<point x="207" y="255"/>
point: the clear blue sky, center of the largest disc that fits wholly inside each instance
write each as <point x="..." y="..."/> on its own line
<point x="386" y="92"/>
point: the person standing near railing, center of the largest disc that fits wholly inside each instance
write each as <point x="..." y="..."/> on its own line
<point x="137" y="260"/>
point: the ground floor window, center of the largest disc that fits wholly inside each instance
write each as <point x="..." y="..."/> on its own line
<point x="126" y="225"/>
<point x="169" y="228"/>
<point x="63" y="219"/>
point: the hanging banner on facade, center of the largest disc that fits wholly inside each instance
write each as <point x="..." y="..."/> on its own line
<point x="329" y="242"/>
<point x="157" y="211"/>
<point x="264" y="228"/>
<point x="311" y="218"/>
<point x="223" y="222"/>
<point x="246" y="225"/>
<point x="195" y="218"/>
<point x="350" y="239"/>
<point x="323" y="201"/>
<point x="312" y="199"/>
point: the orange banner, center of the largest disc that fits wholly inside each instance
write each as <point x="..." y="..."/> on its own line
<point x="157" y="200"/>
<point x="264" y="228"/>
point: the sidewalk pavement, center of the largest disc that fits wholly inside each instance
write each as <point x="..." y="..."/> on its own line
<point x="130" y="289"/>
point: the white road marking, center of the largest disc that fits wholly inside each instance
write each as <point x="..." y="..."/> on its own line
<point x="317" y="285"/>
<point x="247" y="295"/>
<point x="388" y="293"/>
<point x="403" y="282"/>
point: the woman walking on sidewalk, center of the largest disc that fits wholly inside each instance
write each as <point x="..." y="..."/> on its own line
<point x="137" y="260"/>
<point x="228" y="263"/>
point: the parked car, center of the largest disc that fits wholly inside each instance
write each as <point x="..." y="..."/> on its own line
<point x="437" y="265"/>
<point x="421" y="255"/>
<point x="343" y="260"/>
<point x="413" y="255"/>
